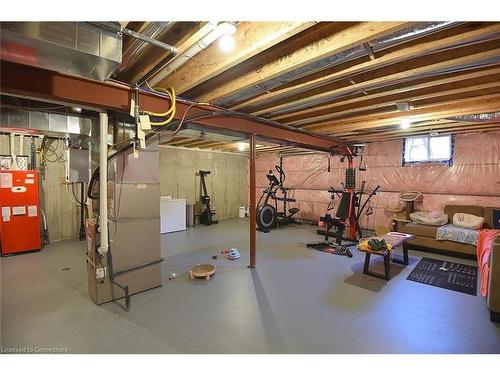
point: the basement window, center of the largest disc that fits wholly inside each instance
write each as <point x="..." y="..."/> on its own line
<point x="428" y="149"/>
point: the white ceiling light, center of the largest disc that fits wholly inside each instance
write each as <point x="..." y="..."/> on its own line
<point x="242" y="146"/>
<point x="405" y="123"/>
<point x="226" y="28"/>
<point x="226" y="41"/>
<point x="76" y="109"/>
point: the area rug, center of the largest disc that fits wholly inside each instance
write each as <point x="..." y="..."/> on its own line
<point x="447" y="275"/>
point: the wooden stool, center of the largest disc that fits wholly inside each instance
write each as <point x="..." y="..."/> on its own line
<point x="202" y="270"/>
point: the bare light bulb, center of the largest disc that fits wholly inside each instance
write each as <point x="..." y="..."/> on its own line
<point x="241" y="146"/>
<point x="226" y="43"/>
<point x="405" y="123"/>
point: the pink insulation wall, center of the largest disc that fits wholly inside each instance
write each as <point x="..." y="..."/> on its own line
<point x="474" y="177"/>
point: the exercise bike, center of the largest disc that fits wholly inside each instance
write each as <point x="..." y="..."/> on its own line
<point x="267" y="215"/>
<point x="350" y="210"/>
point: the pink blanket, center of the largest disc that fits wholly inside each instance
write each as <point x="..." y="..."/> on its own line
<point x="484" y="243"/>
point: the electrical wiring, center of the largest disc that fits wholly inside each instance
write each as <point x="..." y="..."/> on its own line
<point x="70" y="197"/>
<point x="169" y="112"/>
<point x="73" y="191"/>
<point x="117" y="207"/>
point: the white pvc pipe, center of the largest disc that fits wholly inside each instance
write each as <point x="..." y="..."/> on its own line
<point x="187" y="55"/>
<point x="103" y="182"/>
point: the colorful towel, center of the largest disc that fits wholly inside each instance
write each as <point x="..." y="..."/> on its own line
<point x="484" y="244"/>
<point x="452" y="233"/>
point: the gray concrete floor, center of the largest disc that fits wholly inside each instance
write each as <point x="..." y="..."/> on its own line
<point x="297" y="300"/>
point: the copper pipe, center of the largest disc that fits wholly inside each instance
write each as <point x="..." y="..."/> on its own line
<point x="253" y="229"/>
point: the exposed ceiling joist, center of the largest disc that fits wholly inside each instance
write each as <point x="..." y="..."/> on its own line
<point x="329" y="40"/>
<point x="481" y="75"/>
<point x="251" y="39"/>
<point x="385" y="60"/>
<point x="459" y="93"/>
<point x="474" y="105"/>
<point x="446" y="130"/>
<point x="487" y="58"/>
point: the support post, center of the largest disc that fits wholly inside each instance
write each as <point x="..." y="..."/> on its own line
<point x="253" y="229"/>
<point x="103" y="182"/>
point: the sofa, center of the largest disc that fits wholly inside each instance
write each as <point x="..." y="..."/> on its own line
<point x="493" y="298"/>
<point x="425" y="237"/>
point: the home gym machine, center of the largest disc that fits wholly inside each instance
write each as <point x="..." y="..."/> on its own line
<point x="268" y="216"/>
<point x="206" y="213"/>
<point x="350" y="210"/>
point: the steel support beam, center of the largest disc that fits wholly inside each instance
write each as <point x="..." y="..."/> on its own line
<point x="253" y="229"/>
<point x="35" y="83"/>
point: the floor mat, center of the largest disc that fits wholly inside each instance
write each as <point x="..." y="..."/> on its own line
<point x="444" y="274"/>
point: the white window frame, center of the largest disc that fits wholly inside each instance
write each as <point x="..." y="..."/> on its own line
<point x="428" y="159"/>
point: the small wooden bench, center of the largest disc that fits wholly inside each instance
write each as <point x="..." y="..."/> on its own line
<point x="396" y="239"/>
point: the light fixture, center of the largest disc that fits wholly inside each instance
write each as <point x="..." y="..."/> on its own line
<point x="226" y="28"/>
<point x="405" y="123"/>
<point x="242" y="146"/>
<point x="226" y="41"/>
<point x="76" y="109"/>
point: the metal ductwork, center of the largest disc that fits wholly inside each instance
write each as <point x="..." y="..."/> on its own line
<point x="37" y="123"/>
<point x="478" y="117"/>
<point x="73" y="48"/>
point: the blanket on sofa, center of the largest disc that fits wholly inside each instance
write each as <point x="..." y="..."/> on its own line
<point x="451" y="232"/>
<point x="484" y="244"/>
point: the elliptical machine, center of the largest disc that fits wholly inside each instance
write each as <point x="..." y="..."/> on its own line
<point x="350" y="209"/>
<point x="267" y="215"/>
<point x="205" y="216"/>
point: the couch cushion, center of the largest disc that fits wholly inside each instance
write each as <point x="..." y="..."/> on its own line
<point x="421" y="230"/>
<point x="429" y="218"/>
<point x="452" y="209"/>
<point x="468" y="221"/>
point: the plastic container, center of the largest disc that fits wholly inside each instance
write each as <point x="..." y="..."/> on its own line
<point x="242" y="212"/>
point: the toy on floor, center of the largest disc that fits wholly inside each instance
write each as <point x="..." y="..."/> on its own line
<point x="333" y="248"/>
<point x="233" y="254"/>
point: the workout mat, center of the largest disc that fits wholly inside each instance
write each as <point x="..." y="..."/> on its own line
<point x="447" y="275"/>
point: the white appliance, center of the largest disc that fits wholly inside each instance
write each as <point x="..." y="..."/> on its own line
<point x="172" y="214"/>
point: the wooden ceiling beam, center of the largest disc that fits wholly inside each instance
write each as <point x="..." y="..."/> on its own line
<point x="369" y="132"/>
<point x="487" y="103"/>
<point x="452" y="130"/>
<point x="462" y="92"/>
<point x="403" y="54"/>
<point x="175" y="140"/>
<point x="406" y="87"/>
<point x="250" y="38"/>
<point x="399" y="77"/>
<point x="425" y="126"/>
<point x="197" y="143"/>
<point x="182" y="142"/>
<point x="330" y="40"/>
<point x="212" y="145"/>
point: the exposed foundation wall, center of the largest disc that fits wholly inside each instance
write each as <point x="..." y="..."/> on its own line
<point x="474" y="177"/>
<point x="62" y="215"/>
<point x="226" y="184"/>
